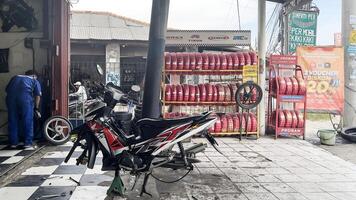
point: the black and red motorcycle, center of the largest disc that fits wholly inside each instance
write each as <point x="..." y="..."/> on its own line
<point x="137" y="145"/>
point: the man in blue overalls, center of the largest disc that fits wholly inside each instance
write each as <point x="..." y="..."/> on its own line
<point x="23" y="95"/>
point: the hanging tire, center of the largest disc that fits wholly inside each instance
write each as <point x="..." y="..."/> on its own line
<point x="57" y="130"/>
<point x="349" y="134"/>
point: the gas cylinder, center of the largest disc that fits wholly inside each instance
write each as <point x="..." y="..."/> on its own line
<point x="186" y="61"/>
<point x="211" y="58"/>
<point x="205" y="61"/>
<point x="295" y="86"/>
<point x="174" y="93"/>
<point x="235" y="61"/>
<point x="223" y="62"/>
<point x="197" y="94"/>
<point x="179" y="92"/>
<point x="223" y="120"/>
<point x="186" y="93"/>
<point x="202" y="91"/>
<point x="289" y="86"/>
<point x="294" y="119"/>
<point x="253" y="57"/>
<point x="236" y="121"/>
<point x="168" y="93"/>
<point x="281" y="119"/>
<point x="198" y="61"/>
<point x="282" y="85"/>
<point x="192" y="93"/>
<point x="289" y="118"/>
<point x="180" y="61"/>
<point x="217" y="126"/>
<point x="302" y="87"/>
<point x="173" y="61"/>
<point x="167" y="60"/>
<point x="230" y="123"/>
<point x="192" y="61"/>
<point x="230" y="64"/>
<point x="209" y="92"/>
<point x="215" y="93"/>
<point x="217" y="62"/>
<point x="247" y="58"/>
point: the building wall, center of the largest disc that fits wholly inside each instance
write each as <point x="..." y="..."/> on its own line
<point x="20" y="58"/>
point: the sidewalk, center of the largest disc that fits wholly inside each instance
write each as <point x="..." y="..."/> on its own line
<point x="251" y="169"/>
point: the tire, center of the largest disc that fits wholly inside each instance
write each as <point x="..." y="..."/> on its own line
<point x="349" y="134"/>
<point x="55" y="134"/>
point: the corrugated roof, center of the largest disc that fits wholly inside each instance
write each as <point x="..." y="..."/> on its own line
<point x="85" y="25"/>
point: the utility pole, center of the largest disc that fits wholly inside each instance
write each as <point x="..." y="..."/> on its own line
<point x="262" y="60"/>
<point x="349" y="24"/>
<point x="155" y="59"/>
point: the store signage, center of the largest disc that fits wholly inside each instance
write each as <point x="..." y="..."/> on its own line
<point x="301" y="29"/>
<point x="250" y="73"/>
<point x="283" y="60"/>
<point x="208" y="38"/>
<point x="323" y="69"/>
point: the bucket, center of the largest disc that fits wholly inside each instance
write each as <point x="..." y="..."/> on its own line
<point x="327" y="137"/>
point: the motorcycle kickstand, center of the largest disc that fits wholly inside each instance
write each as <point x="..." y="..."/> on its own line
<point x="117" y="186"/>
<point x="182" y="151"/>
<point x="143" y="189"/>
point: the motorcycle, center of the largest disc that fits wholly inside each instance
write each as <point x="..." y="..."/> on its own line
<point x="147" y="144"/>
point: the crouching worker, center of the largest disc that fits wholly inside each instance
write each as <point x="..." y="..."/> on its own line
<point x="22" y="101"/>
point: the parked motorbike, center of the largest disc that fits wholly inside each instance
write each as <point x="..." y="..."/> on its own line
<point x="146" y="144"/>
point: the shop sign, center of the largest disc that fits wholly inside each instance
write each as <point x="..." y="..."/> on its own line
<point x="283" y="60"/>
<point x="301" y="29"/>
<point x="208" y="38"/>
<point x="250" y="73"/>
<point x="323" y="69"/>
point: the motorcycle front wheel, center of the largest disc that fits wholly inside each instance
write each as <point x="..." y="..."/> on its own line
<point x="57" y="130"/>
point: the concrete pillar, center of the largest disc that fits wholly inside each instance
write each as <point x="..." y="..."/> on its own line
<point x="262" y="60"/>
<point x="349" y="24"/>
<point x="112" y="69"/>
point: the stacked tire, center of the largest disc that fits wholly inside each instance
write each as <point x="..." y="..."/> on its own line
<point x="230" y="123"/>
<point x="200" y="93"/>
<point x="288" y="85"/>
<point x="288" y="119"/>
<point x="209" y="61"/>
<point x="174" y="115"/>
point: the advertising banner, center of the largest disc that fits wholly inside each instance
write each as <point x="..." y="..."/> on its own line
<point x="208" y="38"/>
<point x="301" y="29"/>
<point x="283" y="60"/>
<point x="323" y="69"/>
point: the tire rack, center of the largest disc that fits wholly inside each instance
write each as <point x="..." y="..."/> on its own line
<point x="276" y="100"/>
<point x="166" y="75"/>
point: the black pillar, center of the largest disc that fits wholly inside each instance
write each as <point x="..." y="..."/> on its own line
<point x="155" y="59"/>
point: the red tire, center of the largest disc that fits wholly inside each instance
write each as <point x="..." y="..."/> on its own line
<point x="209" y="92"/>
<point x="167" y="93"/>
<point x="174" y="93"/>
<point x="223" y="62"/>
<point x="198" y="61"/>
<point x="186" y="61"/>
<point x="227" y="93"/>
<point x="289" y="118"/>
<point x="235" y="61"/>
<point x="294" y="119"/>
<point x="241" y="58"/>
<point x="302" y="86"/>
<point x="202" y="91"/>
<point x="236" y="122"/>
<point x="253" y="119"/>
<point x="180" y="61"/>
<point x="247" y="58"/>
<point x="289" y="86"/>
<point x="221" y="93"/>
<point x="300" y="117"/>
<point x="186" y="93"/>
<point x="295" y="86"/>
<point x="173" y="61"/>
<point x="282" y="85"/>
<point x="230" y="64"/>
<point x="281" y="119"/>
<point x="217" y="126"/>
<point x="243" y="123"/>
<point x="254" y="58"/>
<point x="230" y="124"/>
<point x="224" y="125"/>
<point x="197" y="94"/>
<point x="192" y="61"/>
<point x="205" y="61"/>
<point x="167" y="60"/>
<point x="233" y="90"/>
<point x="211" y="58"/>
<point x="217" y="62"/>
<point x="192" y="93"/>
<point x="179" y="93"/>
<point x="215" y="93"/>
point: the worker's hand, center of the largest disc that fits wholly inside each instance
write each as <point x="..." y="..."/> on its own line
<point x="37" y="114"/>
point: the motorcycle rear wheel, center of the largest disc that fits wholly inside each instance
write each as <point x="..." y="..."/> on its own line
<point x="57" y="130"/>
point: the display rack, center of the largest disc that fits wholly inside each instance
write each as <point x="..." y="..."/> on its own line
<point x="286" y="112"/>
<point x="225" y="74"/>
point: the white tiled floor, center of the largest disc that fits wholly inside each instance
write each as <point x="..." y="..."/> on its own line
<point x="13" y="159"/>
<point x="89" y="192"/>
<point x="48" y="170"/>
<point x="16" y="193"/>
<point x="62" y="180"/>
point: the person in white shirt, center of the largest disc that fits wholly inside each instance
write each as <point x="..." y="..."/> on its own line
<point x="81" y="92"/>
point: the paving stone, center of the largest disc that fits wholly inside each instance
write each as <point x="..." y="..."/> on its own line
<point x="210" y="171"/>
<point x="319" y="196"/>
<point x="241" y="178"/>
<point x="344" y="195"/>
<point x="279" y="170"/>
<point x="251" y="188"/>
<point x="305" y="187"/>
<point x="205" y="165"/>
<point x="261" y="196"/>
<point x="237" y="159"/>
<point x="311" y="178"/>
<point x="278" y="187"/>
<point x="290" y="196"/>
<point x="232" y="196"/>
<point x="289" y="178"/>
<point x="338" y="187"/>
<point x="264" y="178"/>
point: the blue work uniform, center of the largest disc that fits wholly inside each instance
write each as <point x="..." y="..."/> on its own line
<point x="21" y="91"/>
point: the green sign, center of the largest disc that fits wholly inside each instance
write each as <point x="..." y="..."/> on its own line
<point x="301" y="29"/>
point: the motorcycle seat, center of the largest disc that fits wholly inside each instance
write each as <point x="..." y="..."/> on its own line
<point x="152" y="127"/>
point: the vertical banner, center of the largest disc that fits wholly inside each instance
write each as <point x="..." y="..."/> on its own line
<point x="301" y="29"/>
<point x="323" y="69"/>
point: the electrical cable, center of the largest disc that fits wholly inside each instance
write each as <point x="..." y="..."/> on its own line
<point x="163" y="181"/>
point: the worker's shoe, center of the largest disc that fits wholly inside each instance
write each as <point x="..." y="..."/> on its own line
<point x="29" y="147"/>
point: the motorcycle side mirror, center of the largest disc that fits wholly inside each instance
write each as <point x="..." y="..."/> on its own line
<point x="135" y="88"/>
<point x="99" y="70"/>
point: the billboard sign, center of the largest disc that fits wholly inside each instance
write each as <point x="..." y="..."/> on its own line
<point x="323" y="69"/>
<point x="301" y="29"/>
